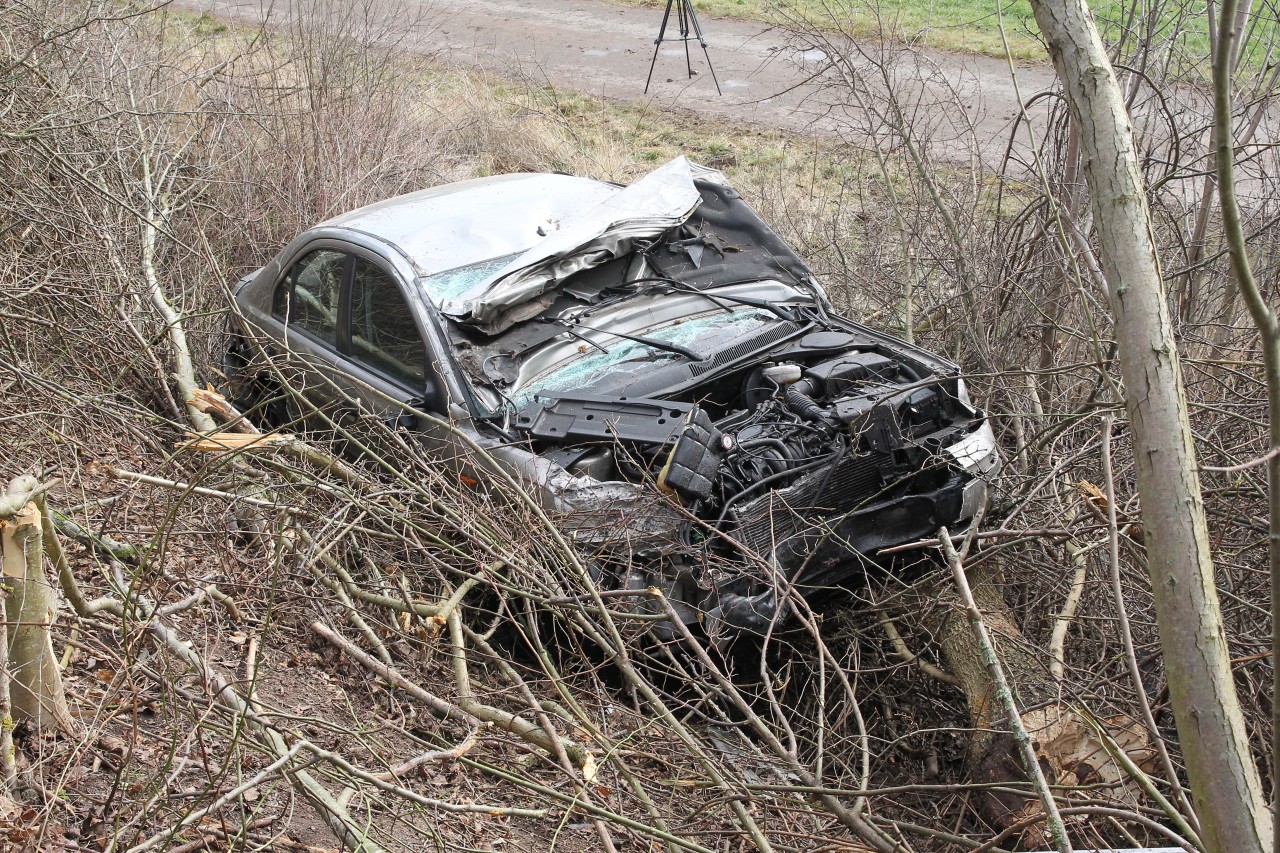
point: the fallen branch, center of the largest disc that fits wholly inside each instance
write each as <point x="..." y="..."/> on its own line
<point x="867" y="832"/>
<point x="348" y="831"/>
<point x="352" y="835"/>
<point x="56" y="521"/>
<point x="406" y="767"/>
<point x="210" y="402"/>
<point x="1002" y="533"/>
<point x="235" y="793"/>
<point x="221" y="442"/>
<point x="900" y="649"/>
<point x="21" y="491"/>
<point x="1062" y="622"/>
<point x="469" y="709"/>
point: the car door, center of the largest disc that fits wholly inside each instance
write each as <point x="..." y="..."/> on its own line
<point x="346" y="314"/>
<point x="383" y="343"/>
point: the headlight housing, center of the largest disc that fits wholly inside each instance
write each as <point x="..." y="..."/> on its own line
<point x="977" y="455"/>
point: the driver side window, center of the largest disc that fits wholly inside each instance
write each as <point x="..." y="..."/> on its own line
<point x="309" y="296"/>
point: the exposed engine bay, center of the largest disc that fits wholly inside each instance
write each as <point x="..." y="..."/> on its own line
<point x="706" y="364"/>
<point x="797" y="442"/>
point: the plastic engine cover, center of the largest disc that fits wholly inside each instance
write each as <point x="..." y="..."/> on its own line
<point x="840" y="376"/>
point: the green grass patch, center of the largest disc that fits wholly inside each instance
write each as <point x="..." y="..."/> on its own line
<point x="973" y="26"/>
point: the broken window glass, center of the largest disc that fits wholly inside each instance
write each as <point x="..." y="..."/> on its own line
<point x="442" y="287"/>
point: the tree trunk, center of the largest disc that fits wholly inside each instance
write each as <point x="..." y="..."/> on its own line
<point x="36" y="691"/>
<point x="1067" y="745"/>
<point x="7" y="755"/>
<point x="1215" y="747"/>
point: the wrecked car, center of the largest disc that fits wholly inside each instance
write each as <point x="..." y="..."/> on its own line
<point x="653" y="362"/>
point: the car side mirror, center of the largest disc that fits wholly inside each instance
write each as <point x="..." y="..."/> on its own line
<point x="429" y="402"/>
<point x="432" y="400"/>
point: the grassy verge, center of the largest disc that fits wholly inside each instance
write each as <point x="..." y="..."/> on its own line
<point x="567" y="130"/>
<point x="963" y="26"/>
<point x="973" y="26"/>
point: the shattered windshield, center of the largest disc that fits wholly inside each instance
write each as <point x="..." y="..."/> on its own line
<point x="442" y="287"/>
<point x="705" y="334"/>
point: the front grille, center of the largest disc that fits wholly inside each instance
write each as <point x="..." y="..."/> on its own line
<point x="727" y="355"/>
<point x="779" y="514"/>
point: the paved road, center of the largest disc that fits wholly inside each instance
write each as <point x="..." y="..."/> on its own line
<point x="603" y="49"/>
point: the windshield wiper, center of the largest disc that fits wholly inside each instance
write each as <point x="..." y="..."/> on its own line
<point x="584" y="338"/>
<point x="640" y="339"/>
<point x="684" y="287"/>
<point x="762" y="304"/>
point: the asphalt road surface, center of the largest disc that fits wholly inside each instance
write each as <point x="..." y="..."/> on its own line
<point x="962" y="104"/>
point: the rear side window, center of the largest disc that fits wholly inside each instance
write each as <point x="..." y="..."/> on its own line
<point x="383" y="334"/>
<point x="309" y="296"/>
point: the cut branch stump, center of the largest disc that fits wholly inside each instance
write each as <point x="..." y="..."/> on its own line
<point x="30" y="604"/>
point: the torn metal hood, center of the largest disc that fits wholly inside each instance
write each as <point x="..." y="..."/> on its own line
<point x="642" y="211"/>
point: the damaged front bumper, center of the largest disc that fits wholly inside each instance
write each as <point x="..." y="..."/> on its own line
<point x="636" y="537"/>
<point x="829" y="552"/>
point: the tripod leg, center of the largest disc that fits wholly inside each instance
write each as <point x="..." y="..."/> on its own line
<point x="657" y="45"/>
<point x="684" y="35"/>
<point x="652" y="63"/>
<point x="697" y="28"/>
<point x="712" y="68"/>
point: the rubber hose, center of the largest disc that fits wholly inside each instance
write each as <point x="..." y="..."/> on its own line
<point x="801" y="403"/>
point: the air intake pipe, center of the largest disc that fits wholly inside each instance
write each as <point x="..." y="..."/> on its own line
<point x="799" y="398"/>
<point x="797" y="392"/>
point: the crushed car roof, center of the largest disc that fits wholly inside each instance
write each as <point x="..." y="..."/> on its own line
<point x="454" y="225"/>
<point x="590" y="236"/>
<point x="490" y="252"/>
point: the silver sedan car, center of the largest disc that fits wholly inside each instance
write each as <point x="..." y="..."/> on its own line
<point x="653" y="362"/>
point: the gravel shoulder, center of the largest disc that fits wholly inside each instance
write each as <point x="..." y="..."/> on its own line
<point x="765" y="76"/>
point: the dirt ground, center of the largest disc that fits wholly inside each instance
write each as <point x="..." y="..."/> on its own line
<point x="765" y="74"/>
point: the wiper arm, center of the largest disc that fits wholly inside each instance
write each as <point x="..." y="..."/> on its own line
<point x="640" y="339"/>
<point x="685" y="287"/>
<point x="762" y="304"/>
<point x="584" y="338"/>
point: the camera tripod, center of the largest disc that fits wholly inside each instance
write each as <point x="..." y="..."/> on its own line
<point x="685" y="15"/>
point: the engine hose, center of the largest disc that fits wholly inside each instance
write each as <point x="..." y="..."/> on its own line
<point x="801" y="403"/>
<point x="776" y="443"/>
<point x="781" y="462"/>
<point x="686" y="528"/>
<point x="788" y="455"/>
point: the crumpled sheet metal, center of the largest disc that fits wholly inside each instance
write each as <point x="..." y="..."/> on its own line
<point x="625" y="517"/>
<point x="660" y="200"/>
